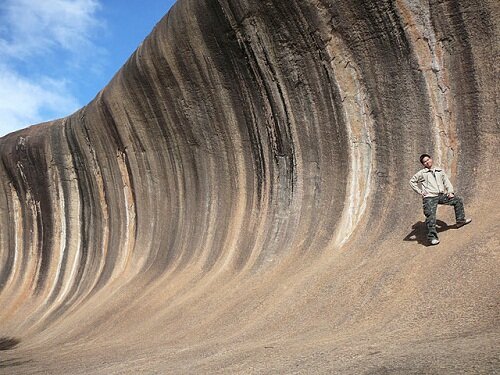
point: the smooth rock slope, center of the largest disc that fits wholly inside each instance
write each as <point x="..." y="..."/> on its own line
<point x="236" y="199"/>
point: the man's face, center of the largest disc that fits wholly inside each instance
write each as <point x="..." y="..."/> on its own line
<point x="427" y="162"/>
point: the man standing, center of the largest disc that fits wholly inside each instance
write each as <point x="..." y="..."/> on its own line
<point x="435" y="188"/>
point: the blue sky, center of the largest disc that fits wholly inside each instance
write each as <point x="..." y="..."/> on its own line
<point x="56" y="55"/>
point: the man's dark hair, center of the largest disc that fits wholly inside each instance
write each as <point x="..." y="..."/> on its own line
<point x="424" y="156"/>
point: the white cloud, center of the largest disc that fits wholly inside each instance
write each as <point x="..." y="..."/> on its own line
<point x="26" y="102"/>
<point x="35" y="35"/>
<point x="37" y="27"/>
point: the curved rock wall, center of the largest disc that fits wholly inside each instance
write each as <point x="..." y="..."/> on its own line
<point x="245" y="142"/>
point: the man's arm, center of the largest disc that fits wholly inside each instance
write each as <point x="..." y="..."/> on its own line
<point x="417" y="177"/>
<point x="447" y="184"/>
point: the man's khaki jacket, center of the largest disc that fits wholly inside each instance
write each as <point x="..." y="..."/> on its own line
<point x="431" y="182"/>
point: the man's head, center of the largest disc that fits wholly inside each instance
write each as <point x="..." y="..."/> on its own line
<point x="426" y="161"/>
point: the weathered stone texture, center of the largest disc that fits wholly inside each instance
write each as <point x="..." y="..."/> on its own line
<point x="236" y="198"/>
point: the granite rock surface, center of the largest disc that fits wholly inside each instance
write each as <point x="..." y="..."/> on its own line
<point x="236" y="199"/>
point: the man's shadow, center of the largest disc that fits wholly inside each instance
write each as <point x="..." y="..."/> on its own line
<point x="419" y="232"/>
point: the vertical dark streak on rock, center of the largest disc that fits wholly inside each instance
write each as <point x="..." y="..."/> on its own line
<point x="91" y="222"/>
<point x="110" y="184"/>
<point x="7" y="237"/>
<point x="59" y="163"/>
<point x="166" y="141"/>
<point x="242" y="61"/>
<point x="17" y="186"/>
<point x="454" y="33"/>
<point x="277" y="121"/>
<point x="79" y="169"/>
<point x="338" y="121"/>
<point x="34" y="165"/>
<point x="63" y="167"/>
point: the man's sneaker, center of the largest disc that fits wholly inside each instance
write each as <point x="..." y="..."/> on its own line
<point x="461" y="223"/>
<point x="434" y="241"/>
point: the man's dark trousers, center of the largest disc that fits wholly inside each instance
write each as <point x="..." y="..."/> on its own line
<point x="430" y="208"/>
